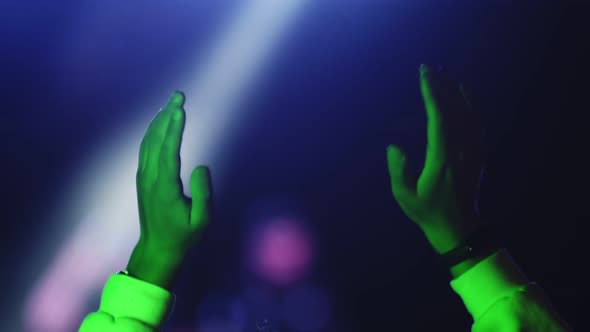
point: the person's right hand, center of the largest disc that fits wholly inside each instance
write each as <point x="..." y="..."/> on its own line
<point x="442" y="200"/>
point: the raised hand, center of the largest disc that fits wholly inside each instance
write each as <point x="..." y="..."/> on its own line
<point x="442" y="202"/>
<point x="170" y="222"/>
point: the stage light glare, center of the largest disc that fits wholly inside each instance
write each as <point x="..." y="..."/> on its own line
<point x="100" y="243"/>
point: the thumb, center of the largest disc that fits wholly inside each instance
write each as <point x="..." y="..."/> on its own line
<point x="402" y="184"/>
<point x="201" y="196"/>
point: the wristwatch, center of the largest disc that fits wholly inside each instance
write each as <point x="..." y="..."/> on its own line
<point x="484" y="241"/>
<point x="125" y="272"/>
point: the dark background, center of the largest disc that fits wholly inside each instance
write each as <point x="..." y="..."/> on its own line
<point x="342" y="86"/>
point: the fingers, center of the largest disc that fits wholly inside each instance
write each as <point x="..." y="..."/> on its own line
<point x="435" y="150"/>
<point x="176" y="100"/>
<point x="170" y="151"/>
<point x="467" y="131"/>
<point x="201" y="196"/>
<point x="156" y="135"/>
<point x="402" y="184"/>
<point x="150" y="145"/>
<point x="454" y="134"/>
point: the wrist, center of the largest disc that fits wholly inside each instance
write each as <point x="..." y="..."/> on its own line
<point x="443" y="240"/>
<point x="153" y="266"/>
<point x="445" y="236"/>
<point x="469" y="248"/>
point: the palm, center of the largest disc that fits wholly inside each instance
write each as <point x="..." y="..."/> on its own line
<point x="169" y="221"/>
<point x="443" y="197"/>
<point x="436" y="192"/>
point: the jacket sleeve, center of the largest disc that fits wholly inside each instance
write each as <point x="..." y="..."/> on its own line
<point x="500" y="298"/>
<point x="130" y="305"/>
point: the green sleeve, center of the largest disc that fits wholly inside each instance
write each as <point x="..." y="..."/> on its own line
<point x="129" y="304"/>
<point x="500" y="297"/>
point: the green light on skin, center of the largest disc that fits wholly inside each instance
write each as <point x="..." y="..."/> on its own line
<point x="441" y="201"/>
<point x="170" y="222"/>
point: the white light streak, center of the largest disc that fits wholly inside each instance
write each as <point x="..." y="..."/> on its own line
<point x="101" y="242"/>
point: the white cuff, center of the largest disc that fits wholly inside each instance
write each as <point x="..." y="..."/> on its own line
<point x="490" y="280"/>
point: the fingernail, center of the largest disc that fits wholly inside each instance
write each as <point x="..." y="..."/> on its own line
<point x="203" y="168"/>
<point x="204" y="171"/>
<point x="424" y="69"/>
<point x="177" y="97"/>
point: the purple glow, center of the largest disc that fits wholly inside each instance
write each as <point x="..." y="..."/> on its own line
<point x="282" y="251"/>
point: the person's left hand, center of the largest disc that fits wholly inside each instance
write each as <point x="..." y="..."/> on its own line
<point x="170" y="222"/>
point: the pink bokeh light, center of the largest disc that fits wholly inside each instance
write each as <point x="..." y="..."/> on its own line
<point x="282" y="251"/>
